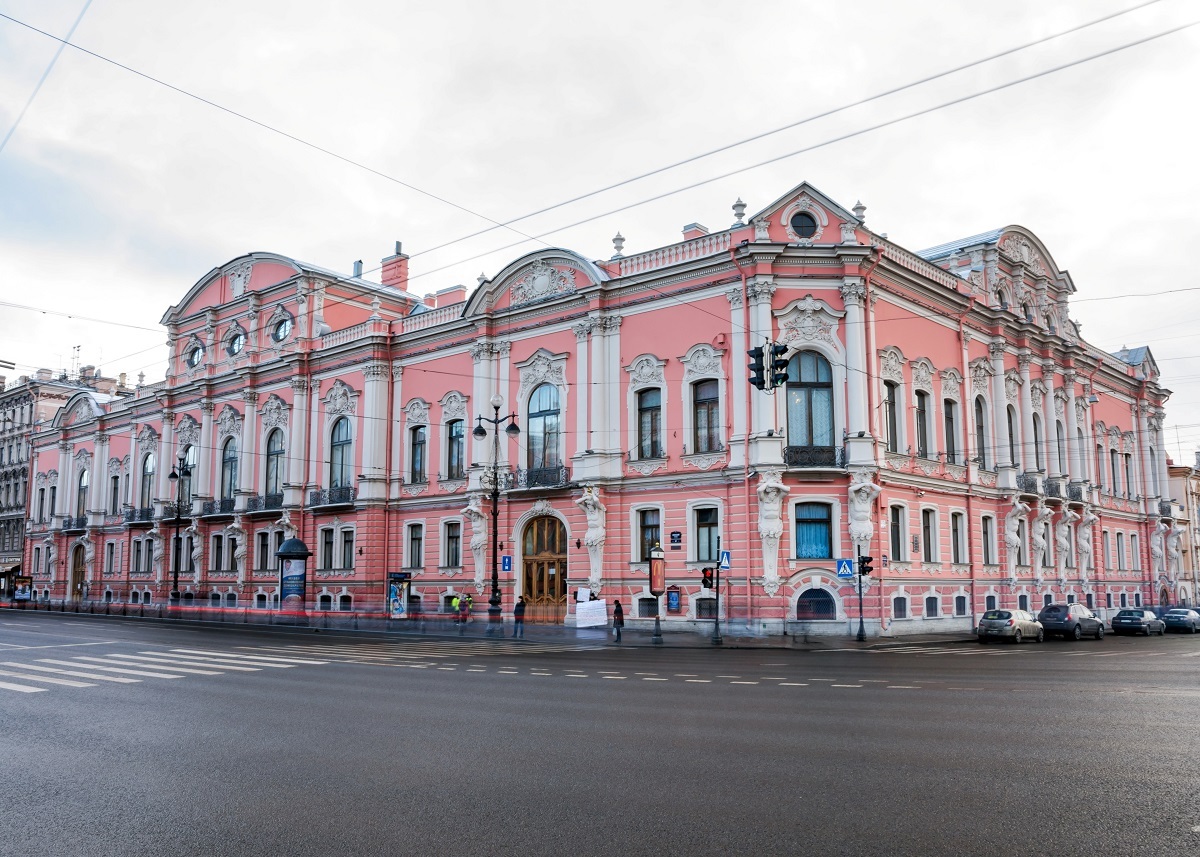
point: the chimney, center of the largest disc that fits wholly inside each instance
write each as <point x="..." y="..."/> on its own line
<point x="395" y="270"/>
<point x="694" y="230"/>
<point x="453" y="295"/>
<point x="85" y="372"/>
<point x="358" y="269"/>
<point x="121" y="380"/>
<point x="43" y="374"/>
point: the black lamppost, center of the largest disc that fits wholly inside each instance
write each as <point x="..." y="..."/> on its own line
<point x="479" y="432"/>
<point x="184" y="472"/>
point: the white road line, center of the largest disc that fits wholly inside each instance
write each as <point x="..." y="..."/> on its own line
<point x="196" y="659"/>
<point x="109" y="669"/>
<point x="1191" y="655"/>
<point x="70" y="645"/>
<point x="21" y="688"/>
<point x="845" y="685"/>
<point x="65" y="681"/>
<point x="576" y="675"/>
<point x="774" y="678"/>
<point x="255" y="657"/>
<point x="476" y="670"/>
<point x="614" y="676"/>
<point x="792" y="684"/>
<point x="698" y="680"/>
<point x="167" y="661"/>
<point x="231" y="659"/>
<point x="122" y="661"/>
<point x="902" y="687"/>
<point x="686" y="675"/>
<point x="73" y="672"/>
<point x="729" y="676"/>
<point x="655" y="679"/>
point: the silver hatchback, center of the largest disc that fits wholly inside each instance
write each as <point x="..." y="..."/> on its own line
<point x="1015" y="625"/>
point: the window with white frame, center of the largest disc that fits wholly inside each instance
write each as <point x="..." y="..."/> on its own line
<point x="455" y="449"/>
<point x="932" y="606"/>
<point x="950" y="427"/>
<point x="1129" y="483"/>
<point x="341" y="454"/>
<point x="543" y="427"/>
<point x="1114" y="459"/>
<point x="981" y="434"/>
<point x="896" y="532"/>
<point x="989" y="603"/>
<point x="1135" y="555"/>
<point x="229" y="469"/>
<point x="706" y="412"/>
<point x="81" y="495"/>
<point x="957" y="537"/>
<point x="416" y="454"/>
<point x="273" y="484"/>
<point x="135" y="557"/>
<point x="1022" y="541"/>
<point x="649" y="524"/>
<point x="110" y="558"/>
<point x="987" y="539"/>
<point x="649" y="426"/>
<point x="347" y="547"/>
<point x="1064" y="465"/>
<point x="960" y="605"/>
<point x="707" y="534"/>
<point x="900" y="607"/>
<point x="809" y="401"/>
<point x="921" y="417"/>
<point x="1121" y="551"/>
<point x="416" y="545"/>
<point x="452" y="544"/>
<point x="1014" y="439"/>
<point x="146" y="495"/>
<point x="891" y="423"/>
<point x="218" y="552"/>
<point x="263" y="552"/>
<point x="814" y="531"/>
<point x="928" y="535"/>
<point x="187" y="474"/>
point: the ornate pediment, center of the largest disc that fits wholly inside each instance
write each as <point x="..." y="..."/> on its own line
<point x="891" y="365"/>
<point x="951" y="383"/>
<point x="416" y="413"/>
<point x="239" y="278"/>
<point x="187" y="430"/>
<point x="340" y="399"/>
<point x="981" y="375"/>
<point x="922" y="374"/>
<point x="701" y="361"/>
<point x="542" y="281"/>
<point x="274" y="412"/>
<point x="454" y="406"/>
<point x="147" y="440"/>
<point x="809" y="320"/>
<point x="1020" y="251"/>
<point x="646" y="371"/>
<point x="229" y="422"/>
<point x="542" y="368"/>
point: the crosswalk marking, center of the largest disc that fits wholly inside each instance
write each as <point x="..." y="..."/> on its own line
<point x="114" y="678"/>
<point x="21" y="688"/>
<point x="197" y="659"/>
<point x="109" y="669"/>
<point x="47" y="679"/>
<point x="249" y="657"/>
<point x="133" y="661"/>
<point x="167" y="660"/>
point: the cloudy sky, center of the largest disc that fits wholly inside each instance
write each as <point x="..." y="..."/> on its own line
<point x="117" y="192"/>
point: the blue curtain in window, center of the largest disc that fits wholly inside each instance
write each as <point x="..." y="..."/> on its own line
<point x="813" y="536"/>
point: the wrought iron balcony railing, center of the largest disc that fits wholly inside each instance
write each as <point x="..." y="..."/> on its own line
<point x="1028" y="483"/>
<point x="1053" y="488"/>
<point x="79" y="523"/>
<point x="340" y="496"/>
<point x="224" y="506"/>
<point x="133" y="516"/>
<point x="171" y="511"/>
<point x="813" y="456"/>
<point x="1165" y="510"/>
<point x="1075" y="492"/>
<point x="543" y="477"/>
<point x="264" y="502"/>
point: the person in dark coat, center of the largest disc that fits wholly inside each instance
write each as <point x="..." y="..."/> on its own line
<point x="519" y="618"/>
<point x="618" y="620"/>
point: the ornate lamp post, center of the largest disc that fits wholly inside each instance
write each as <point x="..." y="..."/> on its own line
<point x="479" y="432"/>
<point x="182" y="471"/>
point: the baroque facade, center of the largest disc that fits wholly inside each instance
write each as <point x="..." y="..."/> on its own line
<point x="940" y="413"/>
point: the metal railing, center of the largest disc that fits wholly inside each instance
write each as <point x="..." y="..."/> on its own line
<point x="133" y="516"/>
<point x="543" y="477"/>
<point x="1053" y="488"/>
<point x="224" y="506"/>
<point x="1075" y="492"/>
<point x="75" y="523"/>
<point x="174" y="510"/>
<point x="264" y="502"/>
<point x="342" y="495"/>
<point x="813" y="456"/>
<point x="1165" y="510"/>
<point x="1028" y="483"/>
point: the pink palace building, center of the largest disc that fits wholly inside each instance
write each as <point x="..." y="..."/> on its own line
<point x="937" y="411"/>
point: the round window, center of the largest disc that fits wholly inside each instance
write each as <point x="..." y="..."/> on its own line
<point x="195" y="356"/>
<point x="236" y="343"/>
<point x="804" y="224"/>
<point x="282" y="329"/>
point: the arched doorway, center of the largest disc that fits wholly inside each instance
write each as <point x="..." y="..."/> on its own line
<point x="544" y="570"/>
<point x="75" y="581"/>
<point x="1164" y="597"/>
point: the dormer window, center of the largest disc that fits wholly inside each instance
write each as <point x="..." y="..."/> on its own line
<point x="194" y="355"/>
<point x="804" y="224"/>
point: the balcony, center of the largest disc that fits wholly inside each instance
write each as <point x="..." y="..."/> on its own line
<point x="139" y="516"/>
<point x="343" y="495"/>
<point x="74" y="524"/>
<point x="543" y="477"/>
<point x="1165" y="510"/>
<point x="813" y="456"/>
<point x="182" y="511"/>
<point x="1054" y="488"/>
<point x="264" y="503"/>
<point x="1029" y="483"/>
<point x="224" y="506"/>
<point x="1075" y="492"/>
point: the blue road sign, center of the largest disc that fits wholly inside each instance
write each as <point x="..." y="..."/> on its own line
<point x="726" y="564"/>
<point x="845" y="568"/>
<point x="506" y="563"/>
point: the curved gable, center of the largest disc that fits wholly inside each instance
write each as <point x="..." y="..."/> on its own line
<point x="80" y="408"/>
<point x="252" y="272"/>
<point x="1019" y="246"/>
<point x="538" y="277"/>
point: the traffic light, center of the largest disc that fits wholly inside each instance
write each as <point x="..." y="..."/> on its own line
<point x="779" y="364"/>
<point x="758" y="368"/>
<point x="864" y="565"/>
<point x="706" y="578"/>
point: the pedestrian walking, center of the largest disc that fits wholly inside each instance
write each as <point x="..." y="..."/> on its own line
<point x="454" y="605"/>
<point x="464" y="614"/>
<point x="618" y="621"/>
<point x="519" y="618"/>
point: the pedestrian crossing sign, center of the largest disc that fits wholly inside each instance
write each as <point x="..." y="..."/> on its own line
<point x="506" y="563"/>
<point x="845" y="568"/>
<point x="726" y="565"/>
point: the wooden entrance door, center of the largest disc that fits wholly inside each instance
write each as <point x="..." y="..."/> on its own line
<point x="75" y="583"/>
<point x="544" y="557"/>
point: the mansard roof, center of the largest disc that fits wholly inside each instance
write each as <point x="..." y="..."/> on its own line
<point x="1139" y="357"/>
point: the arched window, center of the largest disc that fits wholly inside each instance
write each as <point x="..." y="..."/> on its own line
<point x="981" y="432"/>
<point x="810" y="400"/>
<point x="190" y="459"/>
<point x="815" y="604"/>
<point x="340" y="457"/>
<point x="891" y="424"/>
<point x="543" y="425"/>
<point x="82" y="495"/>
<point x="649" y="406"/>
<point x="229" y="469"/>
<point x="1013" y="458"/>
<point x="1060" y="433"/>
<point x="1100" y="465"/>
<point x="1114" y="459"/>
<point x="455" y="436"/>
<point x="416" y="448"/>
<point x="814" y="531"/>
<point x="706" y="416"/>
<point x="273" y="484"/>
<point x="147" y="493"/>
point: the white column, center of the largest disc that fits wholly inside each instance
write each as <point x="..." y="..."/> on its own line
<point x="65" y="498"/>
<point x="293" y="489"/>
<point x="580" y="401"/>
<point x="610" y="373"/>
<point x="166" y="452"/>
<point x="247" y="449"/>
<point x="1161" y="454"/>
<point x="1075" y="468"/>
<point x="202" y="481"/>
<point x="1003" y="457"/>
<point x="394" y="471"/>
<point x="503" y="375"/>
<point x="760" y="292"/>
<point x="860" y="448"/>
<point x="599" y="400"/>
<point x="738" y="384"/>
<point x="481" y="391"/>
<point x="374" y="432"/>
<point x="1026" y="451"/>
<point x="1055" y="465"/>
<point x="100" y="476"/>
<point x="135" y="468"/>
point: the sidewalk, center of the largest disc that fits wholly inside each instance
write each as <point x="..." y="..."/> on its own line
<point x="440" y="626"/>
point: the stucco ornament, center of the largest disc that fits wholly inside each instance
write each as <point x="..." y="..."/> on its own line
<point x="1038" y="531"/>
<point x="275" y="414"/>
<point x="951" y="383"/>
<point x="1012" y="386"/>
<point x="197" y="536"/>
<point x="340" y="399"/>
<point x="229" y="423"/>
<point x="51" y="552"/>
<point x="416" y="413"/>
<point x="804" y="203"/>
<point x="863" y="492"/>
<point x="981" y="375"/>
<point x="89" y="556"/>
<point x="479" y="534"/>
<point x="1062" y="543"/>
<point x="596" y="533"/>
<point x="454" y="406"/>
<point x="809" y="320"/>
<point x="1083" y="535"/>
<point x="1012" y="535"/>
<point x="771" y="494"/>
<point x="891" y="365"/>
<point x="147" y="440"/>
<point x="156" y="548"/>
<point x="922" y="375"/>
<point x="542" y="281"/>
<point x="701" y="362"/>
<point x="236" y="531"/>
<point x="239" y="279"/>
<point x="188" y="431"/>
<point x="542" y="369"/>
<point x="1019" y="250"/>
<point x="646" y="371"/>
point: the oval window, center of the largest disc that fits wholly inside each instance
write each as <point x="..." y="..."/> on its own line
<point x="195" y="356"/>
<point x="282" y="329"/>
<point x="804" y="224"/>
<point x="236" y="343"/>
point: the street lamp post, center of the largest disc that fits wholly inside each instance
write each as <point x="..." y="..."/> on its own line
<point x="177" y="473"/>
<point x="479" y="432"/>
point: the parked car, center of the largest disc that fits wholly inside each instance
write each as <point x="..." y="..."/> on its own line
<point x="1072" y="621"/>
<point x="1138" y="621"/>
<point x="1182" y="619"/>
<point x="1015" y="625"/>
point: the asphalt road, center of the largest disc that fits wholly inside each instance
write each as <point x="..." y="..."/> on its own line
<point x="244" y="742"/>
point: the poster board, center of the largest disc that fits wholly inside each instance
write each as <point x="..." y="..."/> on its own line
<point x="591" y="614"/>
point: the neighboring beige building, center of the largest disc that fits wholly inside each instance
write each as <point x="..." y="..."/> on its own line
<point x="1184" y="481"/>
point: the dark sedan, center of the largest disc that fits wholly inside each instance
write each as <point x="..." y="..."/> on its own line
<point x="1182" y="619"/>
<point x="1138" y="622"/>
<point x="1073" y="621"/>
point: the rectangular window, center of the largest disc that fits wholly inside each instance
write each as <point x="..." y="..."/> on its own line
<point x="649" y="404"/>
<point x="110" y="557"/>
<point x="931" y="606"/>
<point x="454" y="450"/>
<point x="989" y="603"/>
<point x="814" y="531"/>
<point x="453" y="544"/>
<point x="987" y="536"/>
<point x="890" y="422"/>
<point x="327" y="547"/>
<point x="896" y="531"/>
<point x="900" y="608"/>
<point x="114" y="499"/>
<point x="650" y="531"/>
<point x="706" y="535"/>
<point x="136" y="565"/>
<point x="53" y="499"/>
<point x="41" y="509"/>
<point x="1124" y="600"/>
<point x="1121" y="551"/>
<point x="218" y="553"/>
<point x="188" y="548"/>
<point x="950" y="426"/>
<point x="264" y="550"/>
<point x="417" y="451"/>
<point x="37" y="558"/>
<point x="1108" y="600"/>
<point x="1022" y="602"/>
<point x="922" y="425"/>
<point x="347" y="549"/>
<point x="928" y="535"/>
<point x="706" y="416"/>
<point x="1107" y="549"/>
<point x="1047" y="600"/>
<point x="1135" y="556"/>
<point x="960" y="605"/>
<point x="233" y="550"/>
<point x="956" y="537"/>
<point x="416" y="546"/>
<point x="1088" y="600"/>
